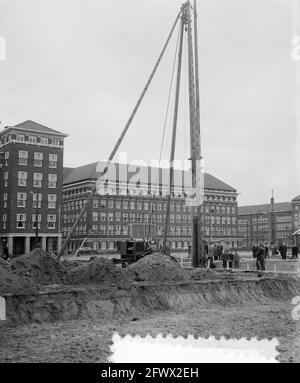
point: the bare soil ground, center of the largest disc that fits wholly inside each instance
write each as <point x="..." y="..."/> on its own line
<point x="203" y="303"/>
<point x="89" y="340"/>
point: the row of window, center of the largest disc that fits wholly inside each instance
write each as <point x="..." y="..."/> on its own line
<point x="37" y="180"/>
<point x="22" y="200"/>
<point x="21" y="221"/>
<point x="143" y="205"/>
<point x="173" y="230"/>
<point x="156" y="218"/>
<point x="131" y="189"/>
<point x="30" y="139"/>
<point x="37" y="159"/>
<point x="279" y="218"/>
<point x="279" y="226"/>
<point x="159" y="206"/>
<point x="36" y="199"/>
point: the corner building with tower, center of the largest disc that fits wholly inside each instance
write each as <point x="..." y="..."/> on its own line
<point x="31" y="181"/>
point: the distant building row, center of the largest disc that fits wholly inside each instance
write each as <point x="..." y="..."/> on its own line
<point x="40" y="198"/>
<point x="261" y="223"/>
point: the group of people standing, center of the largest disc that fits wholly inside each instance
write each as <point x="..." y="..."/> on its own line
<point x="262" y="252"/>
<point x="282" y="249"/>
<point x="218" y="252"/>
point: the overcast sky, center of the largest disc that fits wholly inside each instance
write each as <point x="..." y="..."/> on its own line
<point x="79" y="66"/>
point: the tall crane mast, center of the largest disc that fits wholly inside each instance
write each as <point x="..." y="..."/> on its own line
<point x="186" y="21"/>
<point x="195" y="147"/>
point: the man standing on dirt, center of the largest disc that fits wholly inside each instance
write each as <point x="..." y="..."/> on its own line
<point x="215" y="251"/>
<point x="283" y="251"/>
<point x="295" y="252"/>
<point x="221" y="251"/>
<point x="225" y="259"/>
<point x="260" y="260"/>
<point x="266" y="251"/>
<point x="254" y="251"/>
<point x="236" y="260"/>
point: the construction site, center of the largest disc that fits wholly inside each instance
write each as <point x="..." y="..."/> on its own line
<point x="56" y="308"/>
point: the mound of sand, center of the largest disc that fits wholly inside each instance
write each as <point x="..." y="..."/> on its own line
<point x="158" y="267"/>
<point x="40" y="267"/>
<point x="12" y="283"/>
<point x="100" y="271"/>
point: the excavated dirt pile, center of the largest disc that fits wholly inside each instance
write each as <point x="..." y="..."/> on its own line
<point x="40" y="267"/>
<point x="11" y="283"/>
<point x="100" y="271"/>
<point x="200" y="274"/>
<point x="158" y="268"/>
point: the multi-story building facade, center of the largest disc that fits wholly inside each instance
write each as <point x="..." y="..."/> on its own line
<point x="140" y="199"/>
<point x="31" y="180"/>
<point x="255" y="224"/>
<point x="296" y="219"/>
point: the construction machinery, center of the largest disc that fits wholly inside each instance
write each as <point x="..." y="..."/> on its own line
<point x="131" y="251"/>
<point x="188" y="27"/>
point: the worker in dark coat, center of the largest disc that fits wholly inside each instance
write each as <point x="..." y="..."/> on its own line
<point x="225" y="259"/>
<point x="254" y="251"/>
<point x="236" y="260"/>
<point x="231" y="260"/>
<point x="266" y="251"/>
<point x="221" y="251"/>
<point x="283" y="250"/>
<point x="260" y="260"/>
<point x="215" y="251"/>
<point x="295" y="252"/>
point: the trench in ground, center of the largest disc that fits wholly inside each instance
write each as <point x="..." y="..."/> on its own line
<point x="59" y="303"/>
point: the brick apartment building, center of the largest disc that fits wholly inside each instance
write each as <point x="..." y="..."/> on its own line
<point x="31" y="180"/>
<point x="122" y="203"/>
<point x="254" y="223"/>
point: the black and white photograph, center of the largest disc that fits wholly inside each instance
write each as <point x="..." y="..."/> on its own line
<point x="149" y="183"/>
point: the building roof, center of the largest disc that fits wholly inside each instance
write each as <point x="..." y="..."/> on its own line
<point x="32" y="126"/>
<point x="66" y="172"/>
<point x="264" y="208"/>
<point x="296" y="198"/>
<point x="145" y="175"/>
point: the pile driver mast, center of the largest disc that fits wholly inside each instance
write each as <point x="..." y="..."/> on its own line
<point x="186" y="21"/>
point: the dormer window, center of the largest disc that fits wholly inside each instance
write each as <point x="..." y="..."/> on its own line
<point x="32" y="139"/>
<point x="20" y="138"/>
<point x="44" y="141"/>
